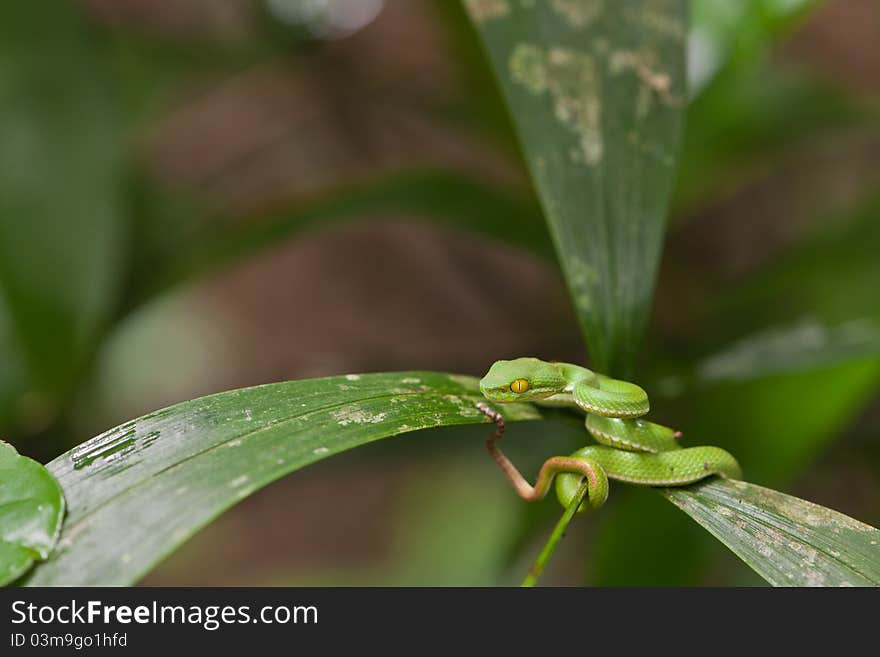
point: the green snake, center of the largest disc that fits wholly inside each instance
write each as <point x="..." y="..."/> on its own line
<point x="630" y="448"/>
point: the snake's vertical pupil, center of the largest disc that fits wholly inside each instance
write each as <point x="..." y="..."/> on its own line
<point x="520" y="385"/>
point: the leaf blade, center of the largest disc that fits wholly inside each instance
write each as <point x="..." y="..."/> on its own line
<point x="200" y="457"/>
<point x="31" y="509"/>
<point x="786" y="540"/>
<point x="61" y="226"/>
<point x="597" y="94"/>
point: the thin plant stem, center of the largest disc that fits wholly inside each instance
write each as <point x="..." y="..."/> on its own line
<point x="558" y="532"/>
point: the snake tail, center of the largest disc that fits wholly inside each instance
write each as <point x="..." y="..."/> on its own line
<point x="597" y="491"/>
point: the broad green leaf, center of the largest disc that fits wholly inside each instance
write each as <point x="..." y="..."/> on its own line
<point x="597" y="93"/>
<point x="786" y="540"/>
<point x="138" y="491"/>
<point x="60" y="229"/>
<point x="804" y="346"/>
<point x="451" y="198"/>
<point x="31" y="509"/>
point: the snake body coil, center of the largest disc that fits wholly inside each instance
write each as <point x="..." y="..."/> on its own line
<point x="630" y="448"/>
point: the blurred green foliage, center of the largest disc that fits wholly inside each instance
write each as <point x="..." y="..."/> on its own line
<point x="61" y="230"/>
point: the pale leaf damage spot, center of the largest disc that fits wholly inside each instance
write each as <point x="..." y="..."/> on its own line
<point x="467" y="382"/>
<point x="653" y="82"/>
<point x="572" y="80"/>
<point x="814" y="515"/>
<point x="356" y="415"/>
<point x="665" y="22"/>
<point x="483" y="10"/>
<point x="578" y="13"/>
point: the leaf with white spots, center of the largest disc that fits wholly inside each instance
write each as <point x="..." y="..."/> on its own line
<point x="31" y="509"/>
<point x="136" y="492"/>
<point x="597" y="93"/>
<point x="786" y="540"/>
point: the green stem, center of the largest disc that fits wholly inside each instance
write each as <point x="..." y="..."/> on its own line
<point x="558" y="532"/>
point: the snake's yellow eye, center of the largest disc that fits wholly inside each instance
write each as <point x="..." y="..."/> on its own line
<point x="520" y="385"/>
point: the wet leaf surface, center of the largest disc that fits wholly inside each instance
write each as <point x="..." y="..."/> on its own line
<point x="138" y="491"/>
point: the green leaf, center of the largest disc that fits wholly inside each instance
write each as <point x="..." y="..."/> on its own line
<point x="597" y="93"/>
<point x="138" y="491"/>
<point x="31" y="509"/>
<point x="804" y="346"/>
<point x="60" y="229"/>
<point x="786" y="540"/>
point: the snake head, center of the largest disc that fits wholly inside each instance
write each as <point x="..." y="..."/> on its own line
<point x="521" y="379"/>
